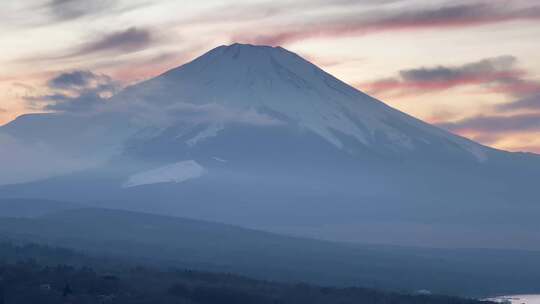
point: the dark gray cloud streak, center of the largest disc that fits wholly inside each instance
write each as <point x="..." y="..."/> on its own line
<point x="76" y="91"/>
<point x="483" y="69"/>
<point x="74" y="80"/>
<point x="126" y="41"/>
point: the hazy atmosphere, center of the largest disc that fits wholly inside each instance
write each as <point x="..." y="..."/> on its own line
<point x="241" y="152"/>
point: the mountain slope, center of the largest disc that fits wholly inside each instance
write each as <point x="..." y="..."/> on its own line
<point x="286" y="89"/>
<point x="31" y="208"/>
<point x="259" y="137"/>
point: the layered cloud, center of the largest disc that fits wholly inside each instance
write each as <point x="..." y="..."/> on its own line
<point x="500" y="123"/>
<point x="499" y="74"/>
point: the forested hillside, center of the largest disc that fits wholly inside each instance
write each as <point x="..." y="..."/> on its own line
<point x="40" y="274"/>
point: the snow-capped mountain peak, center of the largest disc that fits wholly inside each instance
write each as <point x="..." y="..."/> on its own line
<point x="284" y="87"/>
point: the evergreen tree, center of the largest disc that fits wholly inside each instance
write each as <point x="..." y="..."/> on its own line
<point x="67" y="291"/>
<point x="2" y="300"/>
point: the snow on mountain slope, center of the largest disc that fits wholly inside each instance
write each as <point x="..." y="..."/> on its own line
<point x="173" y="173"/>
<point x="284" y="86"/>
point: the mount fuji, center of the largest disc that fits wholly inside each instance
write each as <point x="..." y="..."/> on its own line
<point x="257" y="136"/>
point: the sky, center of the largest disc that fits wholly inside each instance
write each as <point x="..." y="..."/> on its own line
<point x="472" y="67"/>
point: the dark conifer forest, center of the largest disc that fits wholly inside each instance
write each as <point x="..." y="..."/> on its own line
<point x="31" y="273"/>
